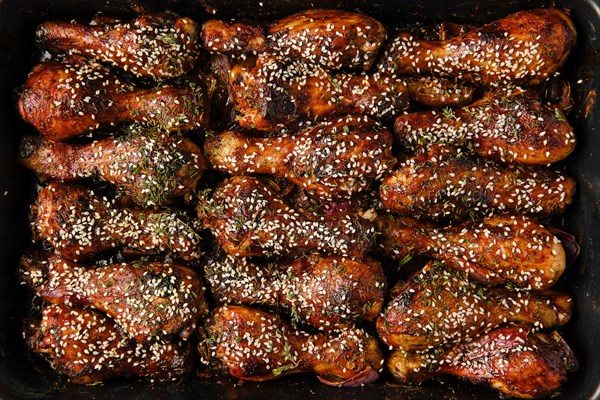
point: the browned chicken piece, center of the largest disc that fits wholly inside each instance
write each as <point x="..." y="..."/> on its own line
<point x="439" y="306"/>
<point x="152" y="169"/>
<point x="438" y="92"/>
<point x="443" y="182"/>
<point x="510" y="359"/>
<point x="159" y="46"/>
<point x="504" y="248"/>
<point x="331" y="38"/>
<point x="63" y="100"/>
<point x="232" y="37"/>
<point x="275" y="94"/>
<point x="88" y="347"/>
<point x="513" y="126"/>
<point x="256" y="346"/>
<point x="326" y="292"/>
<point x="333" y="159"/>
<point x="249" y="219"/>
<point x="145" y="299"/>
<point x="80" y="224"/>
<point x="525" y="47"/>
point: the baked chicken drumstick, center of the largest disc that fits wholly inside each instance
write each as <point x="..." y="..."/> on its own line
<point x="332" y="159"/>
<point x="510" y="359"/>
<point x="326" y="292"/>
<point x="249" y="219"/>
<point x="67" y="99"/>
<point x="145" y="299"/>
<point x="154" y="45"/>
<point x="80" y="224"/>
<point x="438" y="307"/>
<point x="443" y="182"/>
<point x="275" y="94"/>
<point x="152" y="169"/>
<point x="88" y="347"/>
<point x="503" y="248"/>
<point x="253" y="345"/>
<point x="333" y="39"/>
<point x="525" y="47"/>
<point x="507" y="126"/>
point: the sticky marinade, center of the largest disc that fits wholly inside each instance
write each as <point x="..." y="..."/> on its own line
<point x="320" y="194"/>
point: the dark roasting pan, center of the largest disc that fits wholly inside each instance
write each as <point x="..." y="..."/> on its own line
<point x="21" y="377"/>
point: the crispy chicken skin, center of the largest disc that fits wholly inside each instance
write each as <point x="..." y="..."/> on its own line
<point x="510" y="359"/>
<point x="439" y="306"/>
<point x="525" y="47"/>
<point x="439" y="92"/>
<point x="507" y="126"/>
<point x="145" y="299"/>
<point x="249" y="219"/>
<point x="325" y="292"/>
<point x="158" y="46"/>
<point x="232" y="37"/>
<point x="88" y="347"/>
<point x="443" y="182"/>
<point x="504" y="248"/>
<point x="80" y="224"/>
<point x="275" y="94"/>
<point x="253" y="345"/>
<point x="152" y="169"/>
<point x="332" y="159"/>
<point x="67" y="99"/>
<point x="331" y="38"/>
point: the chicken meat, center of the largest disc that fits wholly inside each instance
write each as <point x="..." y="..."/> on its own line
<point x="248" y="219"/>
<point x="79" y="224"/>
<point x="510" y="249"/>
<point x="325" y="292"/>
<point x="332" y="159"/>
<point x="145" y="299"/>
<point x="444" y="182"/>
<point x="253" y="345"/>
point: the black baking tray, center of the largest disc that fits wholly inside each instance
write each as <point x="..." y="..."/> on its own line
<point x="22" y="377"/>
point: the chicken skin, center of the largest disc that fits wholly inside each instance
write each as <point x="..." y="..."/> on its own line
<point x="256" y="346"/>
<point x="145" y="299"/>
<point x="439" y="307"/>
<point x="443" y="182"/>
<point x="325" y="292"/>
<point x="158" y="46"/>
<point x="234" y="38"/>
<point x="333" y="159"/>
<point x="80" y="224"/>
<point x="507" y="126"/>
<point x="332" y="39"/>
<point x="88" y="347"/>
<point x="67" y="99"/>
<point x="526" y="47"/>
<point x="510" y="359"/>
<point x="439" y="92"/>
<point x="499" y="249"/>
<point x="248" y="219"/>
<point x="275" y="94"/>
<point x="152" y="169"/>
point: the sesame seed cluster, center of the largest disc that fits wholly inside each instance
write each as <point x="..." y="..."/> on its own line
<point x="339" y="157"/>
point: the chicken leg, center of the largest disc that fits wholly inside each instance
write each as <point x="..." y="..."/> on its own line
<point x="440" y="307"/>
<point x="256" y="346"/>
<point x="332" y="159"/>
<point x="249" y="219"/>
<point x="80" y="224"/>
<point x="326" y="292"/>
